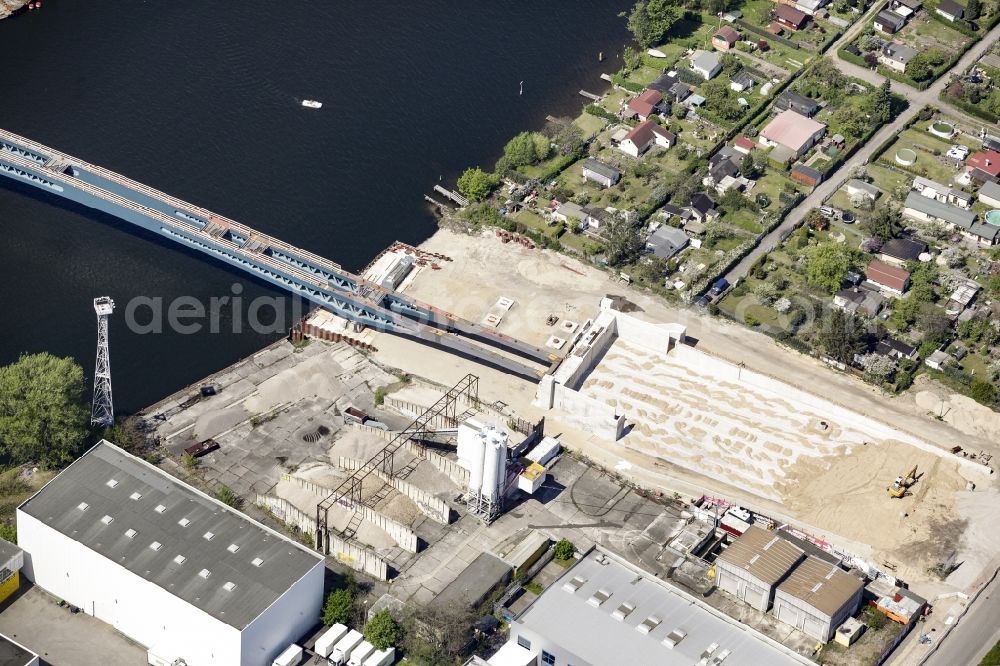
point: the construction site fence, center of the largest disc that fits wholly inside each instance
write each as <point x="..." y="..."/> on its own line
<point x="433" y="507"/>
<point x="353" y="555"/>
<point x="404" y="537"/>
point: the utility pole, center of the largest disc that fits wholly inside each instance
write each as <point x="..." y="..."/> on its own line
<point x="102" y="411"/>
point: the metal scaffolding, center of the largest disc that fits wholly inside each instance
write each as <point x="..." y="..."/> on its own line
<point x="443" y="413"/>
<point x="102" y="411"/>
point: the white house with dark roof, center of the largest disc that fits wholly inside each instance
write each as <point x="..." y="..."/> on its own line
<point x="175" y="570"/>
<point x="645" y="136"/>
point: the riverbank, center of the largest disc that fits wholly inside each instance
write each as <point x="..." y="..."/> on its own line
<point x="9" y="7"/>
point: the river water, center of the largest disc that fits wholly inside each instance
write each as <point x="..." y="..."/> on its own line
<point x="202" y="100"/>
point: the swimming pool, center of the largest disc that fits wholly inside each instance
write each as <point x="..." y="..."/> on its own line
<point x="993" y="217"/>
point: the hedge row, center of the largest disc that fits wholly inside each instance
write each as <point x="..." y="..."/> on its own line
<point x="600" y="112"/>
<point x="622" y="82"/>
<point x="968" y="107"/>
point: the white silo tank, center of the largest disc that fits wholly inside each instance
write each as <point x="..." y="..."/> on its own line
<point x="476" y="449"/>
<point x="491" y="468"/>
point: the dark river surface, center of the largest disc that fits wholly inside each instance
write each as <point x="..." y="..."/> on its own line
<point x="202" y="100"/>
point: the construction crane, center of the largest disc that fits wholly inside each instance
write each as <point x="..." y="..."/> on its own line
<point x="902" y="483"/>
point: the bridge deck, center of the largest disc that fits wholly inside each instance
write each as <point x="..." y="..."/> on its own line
<point x="301" y="271"/>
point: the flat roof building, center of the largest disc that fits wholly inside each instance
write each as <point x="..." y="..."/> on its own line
<point x="13" y="653"/>
<point x="605" y="611"/>
<point x="171" y="568"/>
<point x="753" y="565"/>
<point x="817" y="597"/>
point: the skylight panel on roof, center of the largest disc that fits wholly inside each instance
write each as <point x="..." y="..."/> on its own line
<point x="674" y="637"/>
<point x="160" y="508"/>
<point x="204" y="573"/>
<point x="130" y="533"/>
<point x="180" y="559"/>
<point x="623" y="611"/>
<point x="572" y="586"/>
<point x="135" y="496"/>
<point x="83" y="506"/>
<point x="209" y="536"/>
<point x="647" y="625"/>
<point x="599" y="598"/>
<point x="257" y="561"/>
<point x="156" y="545"/>
<point x="184" y="522"/>
<point x="229" y="586"/>
<point x="107" y="520"/>
<point x="232" y="548"/>
<point x="112" y="483"/>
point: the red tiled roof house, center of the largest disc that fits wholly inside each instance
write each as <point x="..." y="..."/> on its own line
<point x="646" y="135"/>
<point x="644" y="105"/>
<point x="888" y="278"/>
<point x="725" y="39"/>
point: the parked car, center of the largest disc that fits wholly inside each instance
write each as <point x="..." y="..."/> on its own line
<point x="958" y="151"/>
<point x="720" y="286"/>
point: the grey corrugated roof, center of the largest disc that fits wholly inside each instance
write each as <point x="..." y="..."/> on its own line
<point x="567" y="619"/>
<point x="14" y="654"/>
<point x="601" y="168"/>
<point x="824" y="586"/>
<point x="87" y="480"/>
<point x="763" y="554"/>
<point x="990" y="189"/>
<point x="942" y="211"/>
<point x="7" y="551"/>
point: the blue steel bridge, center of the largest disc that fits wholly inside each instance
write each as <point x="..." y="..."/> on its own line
<point x="299" y="271"/>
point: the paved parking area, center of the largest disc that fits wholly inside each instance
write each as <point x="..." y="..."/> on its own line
<point x="61" y="638"/>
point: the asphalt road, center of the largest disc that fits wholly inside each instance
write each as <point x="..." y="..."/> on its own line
<point x="917" y="99"/>
<point x="978" y="630"/>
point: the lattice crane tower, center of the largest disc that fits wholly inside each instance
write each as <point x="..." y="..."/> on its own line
<point x="102" y="412"/>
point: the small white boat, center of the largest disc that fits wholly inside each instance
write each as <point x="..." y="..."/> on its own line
<point x="312" y="104"/>
<point x="656" y="54"/>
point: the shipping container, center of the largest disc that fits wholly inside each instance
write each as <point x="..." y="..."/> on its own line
<point x="325" y="643"/>
<point x="381" y="658"/>
<point x="292" y="656"/>
<point x="360" y="653"/>
<point x="342" y="650"/>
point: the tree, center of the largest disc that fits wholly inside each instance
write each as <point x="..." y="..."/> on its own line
<point x="721" y="101"/>
<point x="782" y="305"/>
<point x="623" y="244"/>
<point x="338" y="606"/>
<point x="382" y="630"/>
<point x="43" y="416"/>
<point x="526" y="148"/>
<point x="650" y="20"/>
<point x="631" y="58"/>
<point x="564" y="550"/>
<point x="827" y="266"/>
<point x="841" y="336"/>
<point x="921" y="66"/>
<point x="127" y="433"/>
<point x="884" y="222"/>
<point x="934" y="323"/>
<point x="878" y="367"/>
<point x="953" y="257"/>
<point x="972" y="10"/>
<point x="882" y="103"/>
<point x="983" y="391"/>
<point x="765" y="292"/>
<point x="476" y="184"/>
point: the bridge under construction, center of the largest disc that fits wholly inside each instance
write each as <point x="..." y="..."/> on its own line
<point x="308" y="275"/>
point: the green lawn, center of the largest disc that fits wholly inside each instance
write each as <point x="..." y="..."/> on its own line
<point x="771" y="184"/>
<point x="744" y="219"/>
<point x="591" y="125"/>
<point x="992" y="657"/>
<point x="927" y="165"/>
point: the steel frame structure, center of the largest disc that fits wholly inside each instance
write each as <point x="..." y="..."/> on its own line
<point x="102" y="411"/>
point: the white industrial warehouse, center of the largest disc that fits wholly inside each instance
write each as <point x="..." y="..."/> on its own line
<point x="175" y="570"/>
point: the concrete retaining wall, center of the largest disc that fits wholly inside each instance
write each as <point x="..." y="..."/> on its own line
<point x="404" y="537"/>
<point x="433" y="507"/>
<point x="451" y="468"/>
<point x="353" y="555"/>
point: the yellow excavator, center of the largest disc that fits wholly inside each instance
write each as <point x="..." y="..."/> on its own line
<point x="902" y="483"/>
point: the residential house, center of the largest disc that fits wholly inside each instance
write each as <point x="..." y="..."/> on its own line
<point x="775" y="28"/>
<point x="644" y="105"/>
<point x="720" y="168"/>
<point x="793" y="130"/>
<point x="896" y="349"/>
<point x="937" y="360"/>
<point x="987" y="161"/>
<point x="702" y="208"/>
<point x="855" y="187"/>
<point x="571" y="213"/>
<point x="791" y="100"/>
<point x="942" y="193"/>
<point x="790" y="17"/>
<point x="889" y="22"/>
<point x="809" y="7"/>
<point x="806" y="175"/>
<point x="706" y="64"/>
<point x="861" y="302"/>
<point x="898" y="251"/>
<point x="663" y="83"/>
<point x="601" y="173"/>
<point x="782" y="155"/>
<point x="741" y="81"/>
<point x="666" y="242"/>
<point x="905" y="8"/>
<point x="896" y="56"/>
<point x="679" y="91"/>
<point x="989" y="194"/>
<point x="695" y="101"/>
<point x="726" y="38"/>
<point x="950" y="9"/>
<point x="961" y="298"/>
<point x="887" y="278"/>
<point x="919" y="207"/>
<point x="644" y="136"/>
<point x="745" y="146"/>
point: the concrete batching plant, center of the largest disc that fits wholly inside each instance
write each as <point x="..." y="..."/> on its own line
<point x="482" y="449"/>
